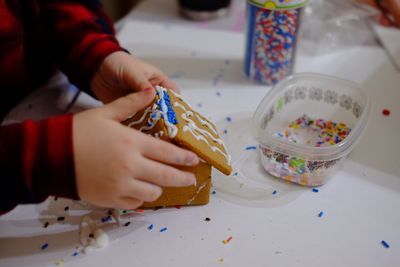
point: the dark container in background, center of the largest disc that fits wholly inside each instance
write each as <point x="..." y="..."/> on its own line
<point x="204" y="9"/>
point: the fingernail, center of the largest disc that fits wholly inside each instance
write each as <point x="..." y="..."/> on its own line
<point x="191" y="160"/>
<point x="148" y="89"/>
<point x="193" y="180"/>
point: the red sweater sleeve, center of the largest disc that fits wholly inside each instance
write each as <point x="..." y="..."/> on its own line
<point x="80" y="36"/>
<point x="36" y="160"/>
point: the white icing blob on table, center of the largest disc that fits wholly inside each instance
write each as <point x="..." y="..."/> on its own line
<point x="91" y="236"/>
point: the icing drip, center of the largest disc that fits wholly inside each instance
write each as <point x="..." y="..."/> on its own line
<point x="192" y="128"/>
<point x="201" y="187"/>
<point x="159" y="134"/>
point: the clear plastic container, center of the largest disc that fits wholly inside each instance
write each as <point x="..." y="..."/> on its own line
<point x="324" y="99"/>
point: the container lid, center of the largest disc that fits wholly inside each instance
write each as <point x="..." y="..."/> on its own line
<point x="279" y="4"/>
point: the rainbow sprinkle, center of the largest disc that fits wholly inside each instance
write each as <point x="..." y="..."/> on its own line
<point x="226" y="241"/>
<point x="318" y="131"/>
<point x="385" y="244"/>
<point x="44" y="246"/>
<point x="59" y="262"/>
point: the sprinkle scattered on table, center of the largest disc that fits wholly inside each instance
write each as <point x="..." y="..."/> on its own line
<point x="207" y="219"/>
<point x="66" y="208"/>
<point x="127" y="223"/>
<point x="386" y="112"/>
<point x="59" y="262"/>
<point x="46" y="224"/>
<point x="44" y="246"/>
<point x="235" y="174"/>
<point x="214" y="192"/>
<point x="163" y="229"/>
<point x="320" y="214"/>
<point x="229" y="119"/>
<point x="385" y="244"/>
<point x="106" y="219"/>
<point x="226" y="241"/>
<point x="60" y="218"/>
<point x="315" y="190"/>
<point x="177" y="75"/>
<point x="178" y="206"/>
<point x="199" y="105"/>
<point x="218" y="77"/>
<point x="218" y="93"/>
<point x="139" y="210"/>
<point x="251" y="148"/>
<point x="221" y="259"/>
<point x="150" y="227"/>
<point x="75" y="254"/>
<point x="274" y="192"/>
<point x="225" y="131"/>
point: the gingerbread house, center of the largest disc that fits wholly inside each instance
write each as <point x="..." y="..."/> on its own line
<point x="170" y="118"/>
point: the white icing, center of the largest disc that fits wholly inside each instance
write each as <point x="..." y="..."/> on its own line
<point x="201" y="187"/>
<point x="192" y="128"/>
<point x="201" y="118"/>
<point x="171" y="128"/>
<point x="91" y="236"/>
<point x="156" y="113"/>
<point x="141" y="118"/>
<point x="159" y="134"/>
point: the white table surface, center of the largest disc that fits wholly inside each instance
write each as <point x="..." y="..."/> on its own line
<point x="360" y="202"/>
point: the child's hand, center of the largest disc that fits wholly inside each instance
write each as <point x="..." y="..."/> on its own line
<point x="120" y="167"/>
<point x="120" y="74"/>
<point x="390" y="11"/>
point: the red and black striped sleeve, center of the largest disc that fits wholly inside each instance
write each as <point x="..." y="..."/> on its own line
<point x="80" y="36"/>
<point x="36" y="160"/>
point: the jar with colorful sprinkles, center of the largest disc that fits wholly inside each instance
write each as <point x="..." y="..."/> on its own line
<point x="307" y="124"/>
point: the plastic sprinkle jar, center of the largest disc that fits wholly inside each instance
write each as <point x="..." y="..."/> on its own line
<point x="307" y="124"/>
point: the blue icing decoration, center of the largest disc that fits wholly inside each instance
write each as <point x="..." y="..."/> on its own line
<point x="171" y="116"/>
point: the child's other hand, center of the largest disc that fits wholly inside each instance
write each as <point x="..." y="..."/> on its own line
<point x="390" y="11"/>
<point x="120" y="74"/>
<point x="120" y="167"/>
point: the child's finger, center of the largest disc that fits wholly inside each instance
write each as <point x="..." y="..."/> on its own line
<point x="161" y="79"/>
<point x="128" y="203"/>
<point x="124" y="106"/>
<point x="162" y="151"/>
<point x="136" y="81"/>
<point x="164" y="175"/>
<point x="143" y="191"/>
<point x="167" y="83"/>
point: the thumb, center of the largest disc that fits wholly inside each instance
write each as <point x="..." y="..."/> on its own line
<point x="124" y="106"/>
<point x="136" y="80"/>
